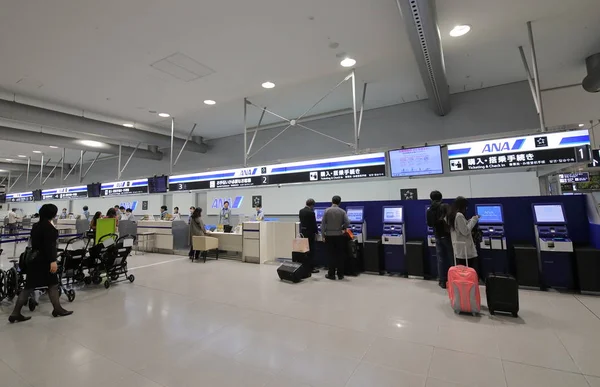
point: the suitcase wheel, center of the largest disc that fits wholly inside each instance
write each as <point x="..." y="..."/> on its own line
<point x="492" y="312"/>
<point x="515" y="314"/>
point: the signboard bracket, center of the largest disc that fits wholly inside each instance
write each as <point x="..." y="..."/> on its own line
<point x="53" y="169"/>
<point x="10" y="187"/>
<point x="90" y="167"/>
<point x="530" y="80"/>
<point x="129" y="159"/>
<point x="296" y="122"/>
<point x="184" y="144"/>
<point x="74" y="165"/>
<point x="536" y="77"/>
<point x="40" y="173"/>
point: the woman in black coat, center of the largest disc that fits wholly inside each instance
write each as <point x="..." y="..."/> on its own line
<point x="41" y="272"/>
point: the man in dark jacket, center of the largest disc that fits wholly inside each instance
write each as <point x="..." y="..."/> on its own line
<point x="443" y="243"/>
<point x="308" y="228"/>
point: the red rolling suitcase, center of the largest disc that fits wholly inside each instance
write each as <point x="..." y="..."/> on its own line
<point x="463" y="289"/>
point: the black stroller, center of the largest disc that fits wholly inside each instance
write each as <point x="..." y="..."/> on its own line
<point x="74" y="261"/>
<point x="110" y="257"/>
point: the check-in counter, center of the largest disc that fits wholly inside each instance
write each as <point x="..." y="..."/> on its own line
<point x="230" y="242"/>
<point x="162" y="235"/>
<point x="267" y="241"/>
<point x="66" y="227"/>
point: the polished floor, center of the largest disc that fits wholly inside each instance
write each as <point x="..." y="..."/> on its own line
<point x="225" y="323"/>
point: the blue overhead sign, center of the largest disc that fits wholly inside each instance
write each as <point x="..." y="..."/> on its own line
<point x="337" y="168"/>
<point x="128" y="187"/>
<point x="19" y="197"/>
<point x="534" y="150"/>
<point x="65" y="193"/>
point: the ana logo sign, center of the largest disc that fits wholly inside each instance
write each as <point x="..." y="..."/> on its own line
<point x="246" y="172"/>
<point x="233" y="203"/>
<point x="132" y="205"/>
<point x="502" y="146"/>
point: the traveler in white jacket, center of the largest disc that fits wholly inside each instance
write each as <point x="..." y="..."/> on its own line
<point x="460" y="233"/>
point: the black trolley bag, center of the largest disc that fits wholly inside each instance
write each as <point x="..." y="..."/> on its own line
<point x="502" y="293"/>
<point x="304" y="260"/>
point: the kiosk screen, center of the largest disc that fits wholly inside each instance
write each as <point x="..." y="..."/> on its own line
<point x="490" y="214"/>
<point x="393" y="215"/>
<point x="355" y="214"/>
<point x="549" y="213"/>
<point x="319" y="214"/>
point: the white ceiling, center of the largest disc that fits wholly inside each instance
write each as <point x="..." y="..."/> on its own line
<point x="97" y="55"/>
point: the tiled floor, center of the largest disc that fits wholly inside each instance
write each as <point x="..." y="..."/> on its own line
<point x="231" y="324"/>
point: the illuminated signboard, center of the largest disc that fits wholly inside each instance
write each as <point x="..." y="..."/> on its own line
<point x="535" y="150"/>
<point x="338" y="168"/>
<point x="579" y="177"/>
<point x="19" y="197"/>
<point x="233" y="202"/>
<point x="65" y="193"/>
<point x="129" y="187"/>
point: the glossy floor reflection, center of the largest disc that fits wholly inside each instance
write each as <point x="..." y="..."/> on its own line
<point x="226" y="323"/>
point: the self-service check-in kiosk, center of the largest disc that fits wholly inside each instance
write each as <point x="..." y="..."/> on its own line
<point x="394" y="248"/>
<point x="493" y="250"/>
<point x="358" y="225"/>
<point x="432" y="269"/>
<point x="320" y="255"/>
<point x="555" y="249"/>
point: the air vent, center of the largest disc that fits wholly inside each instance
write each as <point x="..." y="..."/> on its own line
<point x="182" y="67"/>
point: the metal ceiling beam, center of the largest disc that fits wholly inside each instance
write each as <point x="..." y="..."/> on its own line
<point x="81" y="126"/>
<point x="16" y="167"/>
<point x="25" y="136"/>
<point x="420" y="20"/>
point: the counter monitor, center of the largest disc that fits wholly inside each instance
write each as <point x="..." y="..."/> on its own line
<point x="319" y="214"/>
<point x="355" y="214"/>
<point x="549" y="213"/>
<point x="37" y="195"/>
<point x="158" y="184"/>
<point x="393" y="215"/>
<point x="407" y="162"/>
<point x="93" y="190"/>
<point x="489" y="213"/>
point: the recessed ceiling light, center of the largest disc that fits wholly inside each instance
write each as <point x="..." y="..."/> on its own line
<point x="348" y="62"/>
<point x="165" y="115"/>
<point x="581" y="125"/>
<point x="268" y="85"/>
<point x="22" y="156"/>
<point x="460" y="30"/>
<point x="37" y="151"/>
<point x="91" y="143"/>
<point x="209" y="102"/>
<point x="53" y="147"/>
<point x="128" y="125"/>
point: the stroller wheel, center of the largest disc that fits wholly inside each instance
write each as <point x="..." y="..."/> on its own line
<point x="32" y="304"/>
<point x="70" y="295"/>
<point x="87" y="280"/>
<point x="107" y="284"/>
<point x="131" y="278"/>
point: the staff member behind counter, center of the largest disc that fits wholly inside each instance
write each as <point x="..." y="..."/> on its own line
<point x="225" y="217"/>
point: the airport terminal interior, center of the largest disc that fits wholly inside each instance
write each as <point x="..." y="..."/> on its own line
<point x="192" y="152"/>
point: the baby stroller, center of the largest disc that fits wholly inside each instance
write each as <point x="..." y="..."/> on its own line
<point x="73" y="261"/>
<point x="98" y="254"/>
<point x="115" y="264"/>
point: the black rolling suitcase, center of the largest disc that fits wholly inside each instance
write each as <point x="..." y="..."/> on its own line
<point x="291" y="272"/>
<point x="304" y="260"/>
<point x="353" y="266"/>
<point x="502" y="293"/>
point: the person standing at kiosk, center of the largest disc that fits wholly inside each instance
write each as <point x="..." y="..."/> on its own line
<point x="436" y="219"/>
<point x="309" y="230"/>
<point x="463" y="245"/>
<point x="334" y="225"/>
